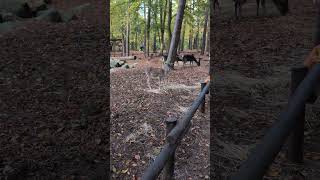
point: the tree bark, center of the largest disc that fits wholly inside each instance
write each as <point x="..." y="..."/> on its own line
<point x="183" y="35"/>
<point x="148" y="28"/>
<point x="145" y="31"/>
<point x="316" y="36"/>
<point x="128" y="39"/>
<point x="176" y="35"/>
<point x="163" y="22"/>
<point x="128" y="31"/>
<point x="204" y="36"/>
<point x="190" y="39"/>
<point x="169" y="24"/>
<point x="123" y="45"/>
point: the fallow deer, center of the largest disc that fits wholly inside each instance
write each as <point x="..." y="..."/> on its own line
<point x="156" y="72"/>
<point x="191" y="59"/>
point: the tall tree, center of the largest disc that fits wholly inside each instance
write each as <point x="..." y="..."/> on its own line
<point x="148" y="27"/>
<point x="169" y="23"/>
<point x="163" y="16"/>
<point x="176" y="35"/>
<point x="204" y="36"/>
<point x="183" y="35"/>
<point x="145" y="29"/>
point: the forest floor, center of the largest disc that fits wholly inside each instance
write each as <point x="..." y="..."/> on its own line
<point x="138" y="115"/>
<point x="53" y="98"/>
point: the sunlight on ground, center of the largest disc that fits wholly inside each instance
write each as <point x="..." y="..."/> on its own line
<point x="173" y="86"/>
<point x="183" y="109"/>
<point x="181" y="86"/>
<point x="143" y="130"/>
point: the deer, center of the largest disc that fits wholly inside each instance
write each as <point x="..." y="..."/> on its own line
<point x="155" y="72"/>
<point x="177" y="59"/>
<point x="191" y="59"/>
<point x="282" y="6"/>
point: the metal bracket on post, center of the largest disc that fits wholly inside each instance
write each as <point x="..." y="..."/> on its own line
<point x="296" y="139"/>
<point x="203" y="104"/>
<point x="168" y="170"/>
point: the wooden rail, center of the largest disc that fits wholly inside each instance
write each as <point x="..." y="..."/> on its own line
<point x="175" y="131"/>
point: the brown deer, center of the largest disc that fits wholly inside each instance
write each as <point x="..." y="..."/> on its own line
<point x="155" y="72"/>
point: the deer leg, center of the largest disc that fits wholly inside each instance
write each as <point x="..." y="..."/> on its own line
<point x="148" y="81"/>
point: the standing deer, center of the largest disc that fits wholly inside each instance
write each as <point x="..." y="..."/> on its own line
<point x="191" y="59"/>
<point x="155" y="72"/>
<point x="282" y="6"/>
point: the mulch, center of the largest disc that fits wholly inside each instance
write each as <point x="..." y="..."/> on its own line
<point x="54" y="100"/>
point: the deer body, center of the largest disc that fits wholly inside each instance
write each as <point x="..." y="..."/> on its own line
<point x="155" y="72"/>
<point x="191" y="59"/>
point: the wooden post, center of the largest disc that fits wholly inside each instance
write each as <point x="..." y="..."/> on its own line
<point x="295" y="150"/>
<point x="168" y="170"/>
<point x="202" y="105"/>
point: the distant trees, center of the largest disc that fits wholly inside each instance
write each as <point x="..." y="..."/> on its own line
<point x="150" y="23"/>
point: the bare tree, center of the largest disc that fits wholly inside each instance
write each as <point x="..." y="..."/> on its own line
<point x="176" y="35"/>
<point x="204" y="36"/>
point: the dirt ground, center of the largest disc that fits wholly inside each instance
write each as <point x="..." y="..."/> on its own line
<point x="53" y="99"/>
<point x="138" y="114"/>
<point x="251" y="87"/>
<point x="251" y="64"/>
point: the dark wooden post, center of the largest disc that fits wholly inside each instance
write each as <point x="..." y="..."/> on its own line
<point x="168" y="170"/>
<point x="295" y="151"/>
<point x="202" y="105"/>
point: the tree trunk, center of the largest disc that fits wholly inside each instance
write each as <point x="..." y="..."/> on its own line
<point x="169" y="24"/>
<point x="148" y="28"/>
<point x="136" y="42"/>
<point x="204" y="36"/>
<point x="211" y="35"/>
<point x="155" y="27"/>
<point x="208" y="37"/>
<point x="176" y="34"/>
<point x="128" y="32"/>
<point x="163" y="22"/>
<point x="123" y="45"/>
<point x="145" y="31"/>
<point x="183" y="35"/>
<point x="190" y="39"/>
<point x="316" y="35"/>
<point x="128" y="39"/>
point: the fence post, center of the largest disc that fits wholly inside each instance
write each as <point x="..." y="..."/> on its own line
<point x="296" y="139"/>
<point x="168" y="170"/>
<point x="203" y="105"/>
